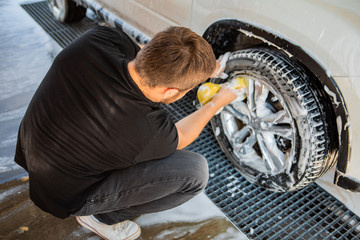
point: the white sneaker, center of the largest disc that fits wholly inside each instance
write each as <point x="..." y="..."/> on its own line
<point x="126" y="230"/>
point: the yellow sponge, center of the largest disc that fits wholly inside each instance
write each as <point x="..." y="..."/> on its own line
<point x="239" y="82"/>
<point x="208" y="90"/>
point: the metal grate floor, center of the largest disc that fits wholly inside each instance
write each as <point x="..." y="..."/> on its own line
<point x="62" y="33"/>
<point x="310" y="213"/>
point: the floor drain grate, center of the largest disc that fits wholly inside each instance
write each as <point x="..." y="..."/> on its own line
<point x="310" y="213"/>
<point x="63" y="34"/>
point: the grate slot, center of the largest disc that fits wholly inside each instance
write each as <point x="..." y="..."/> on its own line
<point x="310" y="213"/>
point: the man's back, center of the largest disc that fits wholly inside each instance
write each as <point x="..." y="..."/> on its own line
<point x="87" y="118"/>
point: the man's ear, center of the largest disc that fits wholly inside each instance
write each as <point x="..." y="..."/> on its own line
<point x="170" y="92"/>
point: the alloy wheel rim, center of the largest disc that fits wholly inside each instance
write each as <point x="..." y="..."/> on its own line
<point x="260" y="128"/>
<point x="57" y="7"/>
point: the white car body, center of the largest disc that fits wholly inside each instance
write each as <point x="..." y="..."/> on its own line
<point x="328" y="31"/>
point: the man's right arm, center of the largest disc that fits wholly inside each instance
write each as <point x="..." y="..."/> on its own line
<point x="190" y="127"/>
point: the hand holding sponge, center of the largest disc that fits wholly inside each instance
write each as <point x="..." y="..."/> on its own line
<point x="208" y="90"/>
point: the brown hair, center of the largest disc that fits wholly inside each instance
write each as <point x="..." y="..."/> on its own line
<point x="175" y="58"/>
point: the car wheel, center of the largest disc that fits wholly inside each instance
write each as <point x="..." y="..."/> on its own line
<point x="278" y="136"/>
<point x="66" y="11"/>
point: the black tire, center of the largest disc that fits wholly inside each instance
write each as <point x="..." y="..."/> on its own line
<point x="287" y="122"/>
<point x="66" y="11"/>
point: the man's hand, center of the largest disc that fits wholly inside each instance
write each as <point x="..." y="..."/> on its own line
<point x="190" y="127"/>
<point x="225" y="96"/>
<point x="220" y="66"/>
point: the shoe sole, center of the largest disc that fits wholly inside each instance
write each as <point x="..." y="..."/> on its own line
<point x="85" y="225"/>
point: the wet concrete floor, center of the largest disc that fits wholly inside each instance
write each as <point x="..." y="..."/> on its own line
<point x="26" y="53"/>
<point x="196" y="219"/>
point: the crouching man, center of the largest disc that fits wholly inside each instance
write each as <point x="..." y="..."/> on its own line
<point x="96" y="143"/>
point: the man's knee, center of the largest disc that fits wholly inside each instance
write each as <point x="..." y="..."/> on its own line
<point x="203" y="170"/>
<point x="195" y="166"/>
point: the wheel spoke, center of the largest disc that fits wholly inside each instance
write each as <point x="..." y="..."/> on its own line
<point x="230" y="124"/>
<point x="273" y="157"/>
<point x="230" y="109"/>
<point x="250" y="141"/>
<point x="247" y="146"/>
<point x="262" y="109"/>
<point x="276" y="118"/>
<point x="59" y="4"/>
<point x="243" y="108"/>
<point x="284" y="131"/>
<point x="251" y="96"/>
<point x="266" y="154"/>
<point x="278" y="156"/>
<point x="239" y="137"/>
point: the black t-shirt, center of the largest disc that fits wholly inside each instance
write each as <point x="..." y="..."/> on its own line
<point x="87" y="118"/>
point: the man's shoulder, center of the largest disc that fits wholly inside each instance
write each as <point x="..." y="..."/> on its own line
<point x="101" y="35"/>
<point x="105" y="30"/>
<point x="113" y="38"/>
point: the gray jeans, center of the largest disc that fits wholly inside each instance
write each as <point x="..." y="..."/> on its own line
<point x="148" y="187"/>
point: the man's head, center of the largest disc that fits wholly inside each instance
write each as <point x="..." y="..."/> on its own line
<point x="176" y="58"/>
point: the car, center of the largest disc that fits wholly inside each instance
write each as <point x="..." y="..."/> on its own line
<point x="300" y="61"/>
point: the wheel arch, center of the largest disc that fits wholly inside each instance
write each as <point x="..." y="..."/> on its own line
<point x="231" y="34"/>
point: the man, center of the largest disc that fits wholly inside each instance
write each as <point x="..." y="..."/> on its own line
<point x="95" y="141"/>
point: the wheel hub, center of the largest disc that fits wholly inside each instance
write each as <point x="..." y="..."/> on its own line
<point x="256" y="124"/>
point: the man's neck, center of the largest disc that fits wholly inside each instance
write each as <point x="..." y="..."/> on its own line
<point x="148" y="92"/>
<point x="138" y="80"/>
